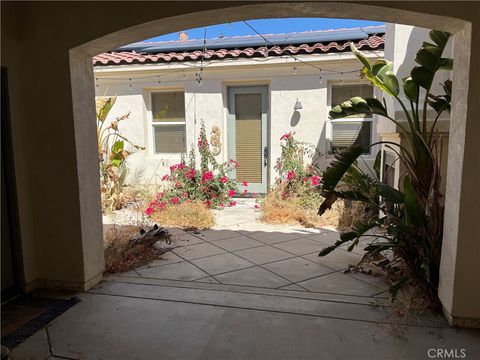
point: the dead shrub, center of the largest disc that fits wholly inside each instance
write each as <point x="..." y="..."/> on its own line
<point x="126" y="250"/>
<point x="303" y="210"/>
<point x="189" y="215"/>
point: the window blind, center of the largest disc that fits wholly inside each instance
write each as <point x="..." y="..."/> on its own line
<point x="169" y="138"/>
<point x="341" y="93"/>
<point x="347" y="133"/>
<point x="248" y="134"/>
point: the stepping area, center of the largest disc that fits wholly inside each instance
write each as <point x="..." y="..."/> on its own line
<point x="244" y="290"/>
<point x="240" y="250"/>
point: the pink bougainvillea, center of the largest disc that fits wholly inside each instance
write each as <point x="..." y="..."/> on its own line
<point x="286" y="136"/>
<point x="207" y="176"/>
<point x="296" y="178"/>
<point x="190" y="174"/>
<point x="189" y="180"/>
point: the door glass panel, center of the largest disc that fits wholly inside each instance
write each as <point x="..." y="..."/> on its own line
<point x="248" y="137"/>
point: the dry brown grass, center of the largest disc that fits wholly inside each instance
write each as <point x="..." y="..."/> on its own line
<point x="121" y="255"/>
<point x="293" y="210"/>
<point x="189" y="215"/>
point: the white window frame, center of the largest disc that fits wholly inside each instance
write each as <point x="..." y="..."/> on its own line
<point x="152" y="124"/>
<point x="330" y="122"/>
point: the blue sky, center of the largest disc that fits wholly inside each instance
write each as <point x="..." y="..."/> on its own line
<point x="270" y="26"/>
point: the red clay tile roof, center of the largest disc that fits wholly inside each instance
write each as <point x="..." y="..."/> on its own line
<point x="131" y="57"/>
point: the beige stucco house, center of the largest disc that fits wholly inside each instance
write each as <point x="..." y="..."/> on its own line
<point x="47" y="49"/>
<point x="250" y="89"/>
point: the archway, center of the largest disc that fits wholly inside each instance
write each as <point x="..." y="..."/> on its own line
<point x="453" y="290"/>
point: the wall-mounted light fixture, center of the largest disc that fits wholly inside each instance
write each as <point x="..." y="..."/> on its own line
<point x="298" y="105"/>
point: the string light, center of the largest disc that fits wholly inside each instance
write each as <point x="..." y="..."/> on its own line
<point x="199" y="78"/>
<point x="130" y="84"/>
<point x="159" y="81"/>
<point x="96" y="83"/>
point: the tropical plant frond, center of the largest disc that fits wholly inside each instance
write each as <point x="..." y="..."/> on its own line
<point x="334" y="173"/>
<point x="429" y="57"/>
<point x="380" y="74"/>
<point x="412" y="221"/>
<point x="358" y="106"/>
<point x="103" y="106"/>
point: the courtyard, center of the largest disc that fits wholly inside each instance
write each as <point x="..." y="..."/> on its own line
<point x="244" y="290"/>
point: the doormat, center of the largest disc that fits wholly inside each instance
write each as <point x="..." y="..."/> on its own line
<point x="24" y="316"/>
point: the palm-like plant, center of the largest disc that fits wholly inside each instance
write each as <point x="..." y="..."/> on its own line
<point x="112" y="154"/>
<point x="413" y="216"/>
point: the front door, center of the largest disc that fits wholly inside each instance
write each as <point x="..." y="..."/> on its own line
<point x="247" y="136"/>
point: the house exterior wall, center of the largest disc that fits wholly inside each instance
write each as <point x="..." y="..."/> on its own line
<point x="209" y="103"/>
<point x="53" y="203"/>
<point x="401" y="45"/>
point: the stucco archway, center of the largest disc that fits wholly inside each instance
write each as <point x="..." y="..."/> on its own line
<point x="453" y="287"/>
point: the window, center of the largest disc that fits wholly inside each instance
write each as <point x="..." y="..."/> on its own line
<point x="168" y="122"/>
<point x="352" y="130"/>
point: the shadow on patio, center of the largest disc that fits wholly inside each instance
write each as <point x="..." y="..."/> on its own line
<point x="244" y="290"/>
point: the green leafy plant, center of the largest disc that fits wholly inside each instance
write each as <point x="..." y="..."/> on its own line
<point x="112" y="155"/>
<point x="412" y="217"/>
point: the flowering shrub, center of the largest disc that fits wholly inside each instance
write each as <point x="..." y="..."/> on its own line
<point x="295" y="197"/>
<point x="296" y="178"/>
<point x="209" y="184"/>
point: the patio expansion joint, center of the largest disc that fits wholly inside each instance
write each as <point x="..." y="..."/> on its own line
<point x="339" y="270"/>
<point x="199" y="268"/>
<point x="208" y="241"/>
<point x="238" y="290"/>
<point x="195" y="284"/>
<point x="250" y="267"/>
<point x="280" y="242"/>
<point x="50" y="347"/>
<point x="384" y="322"/>
<point x="290" y="282"/>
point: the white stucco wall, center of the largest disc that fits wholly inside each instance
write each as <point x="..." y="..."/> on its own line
<point x="401" y="45"/>
<point x="208" y="103"/>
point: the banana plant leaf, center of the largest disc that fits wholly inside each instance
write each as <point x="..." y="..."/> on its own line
<point x="412" y="209"/>
<point x="429" y="57"/>
<point x="380" y="73"/>
<point x="359" y="230"/>
<point x="357" y="106"/>
<point x="335" y="172"/>
<point x="389" y="194"/>
<point x="104" y="105"/>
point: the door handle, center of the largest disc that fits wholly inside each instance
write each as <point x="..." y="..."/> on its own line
<point x="265" y="156"/>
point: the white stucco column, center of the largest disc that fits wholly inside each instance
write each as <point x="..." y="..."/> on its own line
<point x="459" y="271"/>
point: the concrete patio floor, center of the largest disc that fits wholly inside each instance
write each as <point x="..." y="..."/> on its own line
<point x="244" y="290"/>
